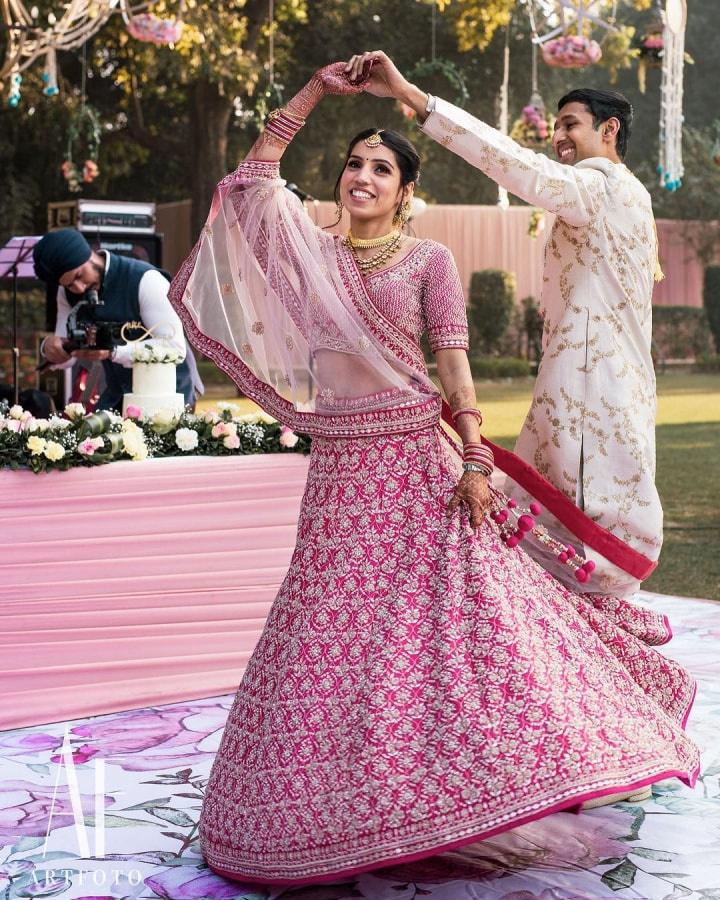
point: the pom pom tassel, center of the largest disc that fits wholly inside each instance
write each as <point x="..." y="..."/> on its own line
<point x="516" y="523"/>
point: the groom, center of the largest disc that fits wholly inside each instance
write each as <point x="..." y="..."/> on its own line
<point x="591" y="425"/>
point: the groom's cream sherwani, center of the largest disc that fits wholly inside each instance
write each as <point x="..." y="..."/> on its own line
<point x="591" y="426"/>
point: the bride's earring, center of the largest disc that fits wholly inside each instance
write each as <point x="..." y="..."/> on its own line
<point x="401" y="217"/>
<point x="339" y="209"/>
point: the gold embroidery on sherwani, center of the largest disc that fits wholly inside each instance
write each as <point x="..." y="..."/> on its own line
<point x="590" y="429"/>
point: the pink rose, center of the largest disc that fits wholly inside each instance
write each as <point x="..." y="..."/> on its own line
<point x="232" y="442"/>
<point x="288" y="438"/>
<point x="133" y="412"/>
<point x="13" y="425"/>
<point x="90" y="445"/>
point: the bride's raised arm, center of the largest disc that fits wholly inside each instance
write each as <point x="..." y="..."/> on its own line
<point x="283" y="124"/>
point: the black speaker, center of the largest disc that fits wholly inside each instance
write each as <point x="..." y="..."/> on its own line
<point x="147" y="247"/>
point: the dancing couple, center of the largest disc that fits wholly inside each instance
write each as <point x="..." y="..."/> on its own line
<point x="422" y="682"/>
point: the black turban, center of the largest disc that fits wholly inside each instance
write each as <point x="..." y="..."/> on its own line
<point x="60" y="252"/>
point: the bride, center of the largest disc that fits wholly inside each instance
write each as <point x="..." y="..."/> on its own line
<point x="420" y="683"/>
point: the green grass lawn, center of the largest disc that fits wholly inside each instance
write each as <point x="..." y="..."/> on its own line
<point x="688" y="470"/>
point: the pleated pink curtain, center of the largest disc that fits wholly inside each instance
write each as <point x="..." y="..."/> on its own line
<point x="487" y="237"/>
<point x="139" y="582"/>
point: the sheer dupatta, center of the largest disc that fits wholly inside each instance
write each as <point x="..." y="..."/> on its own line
<point x="278" y="304"/>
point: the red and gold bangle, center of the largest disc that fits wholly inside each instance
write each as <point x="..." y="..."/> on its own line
<point x="468" y="411"/>
<point x="284" y="125"/>
<point x="478" y="458"/>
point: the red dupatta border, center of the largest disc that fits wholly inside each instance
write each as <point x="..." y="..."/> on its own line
<point x="571" y="516"/>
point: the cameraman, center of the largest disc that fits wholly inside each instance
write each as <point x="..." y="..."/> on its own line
<point x="130" y="291"/>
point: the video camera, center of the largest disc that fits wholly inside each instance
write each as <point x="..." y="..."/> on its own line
<point x="86" y="332"/>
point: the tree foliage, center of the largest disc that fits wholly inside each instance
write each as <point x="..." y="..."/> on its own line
<point x="175" y="120"/>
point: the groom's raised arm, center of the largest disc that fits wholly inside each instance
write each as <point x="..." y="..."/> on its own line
<point x="572" y="193"/>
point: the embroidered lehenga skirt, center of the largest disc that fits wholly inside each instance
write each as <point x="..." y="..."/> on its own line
<point x="419" y="685"/>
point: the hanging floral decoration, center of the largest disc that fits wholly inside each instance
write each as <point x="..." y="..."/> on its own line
<point x="534" y="127"/>
<point x="618" y="51"/>
<point x="152" y="29"/>
<point x="571" y="51"/>
<point x="83" y="135"/>
<point x="536" y="224"/>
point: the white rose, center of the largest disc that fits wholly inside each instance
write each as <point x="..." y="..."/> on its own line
<point x="57" y="422"/>
<point x="164" y="417"/>
<point x="229" y="407"/>
<point x="16" y="412"/>
<point x="186" y="438"/>
<point x="74" y="410"/>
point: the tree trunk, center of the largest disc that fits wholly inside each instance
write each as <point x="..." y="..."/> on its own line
<point x="210" y="118"/>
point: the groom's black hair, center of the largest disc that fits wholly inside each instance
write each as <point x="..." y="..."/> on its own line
<point x="604" y="105"/>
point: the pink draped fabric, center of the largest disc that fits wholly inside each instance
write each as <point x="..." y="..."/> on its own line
<point x="139" y="582"/>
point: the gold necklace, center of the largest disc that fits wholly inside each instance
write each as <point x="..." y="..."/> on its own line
<point x="369" y="264"/>
<point x="370" y="243"/>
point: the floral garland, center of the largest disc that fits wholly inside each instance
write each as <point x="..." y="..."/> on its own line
<point x="77" y="439"/>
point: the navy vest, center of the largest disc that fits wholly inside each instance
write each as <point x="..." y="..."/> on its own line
<point x="121" y="303"/>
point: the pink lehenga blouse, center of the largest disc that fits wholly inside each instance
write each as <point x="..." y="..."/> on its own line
<point x="418" y="685"/>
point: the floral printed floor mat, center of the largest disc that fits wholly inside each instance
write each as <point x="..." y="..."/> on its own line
<point x="155" y="763"/>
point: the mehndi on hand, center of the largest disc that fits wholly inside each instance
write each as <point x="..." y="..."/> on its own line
<point x="473" y="489"/>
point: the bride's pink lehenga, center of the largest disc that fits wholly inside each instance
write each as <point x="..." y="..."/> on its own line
<point x="418" y="685"/>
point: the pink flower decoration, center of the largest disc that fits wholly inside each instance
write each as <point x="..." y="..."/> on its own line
<point x="154" y="30"/>
<point x="133" y="412"/>
<point x="232" y="442"/>
<point x="571" y="52"/>
<point x="90" y="445"/>
<point x="288" y="438"/>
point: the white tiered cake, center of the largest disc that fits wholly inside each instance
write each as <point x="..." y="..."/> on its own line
<point x="154" y="389"/>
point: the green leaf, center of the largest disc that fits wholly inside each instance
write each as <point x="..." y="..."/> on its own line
<point x="646" y="853"/>
<point x="621" y="876"/>
<point x="176" y="816"/>
<point x="117" y="822"/>
<point x="149" y="804"/>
